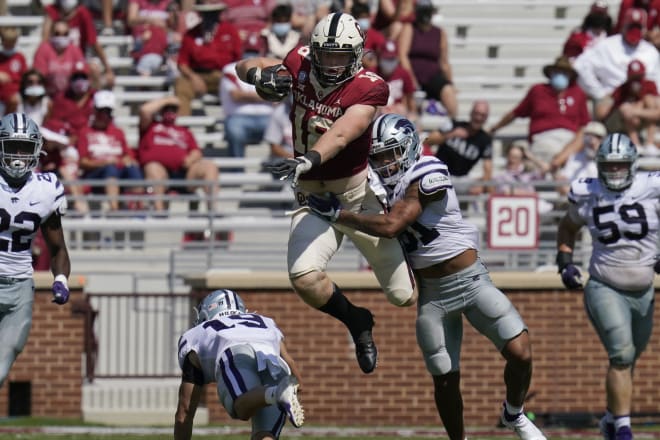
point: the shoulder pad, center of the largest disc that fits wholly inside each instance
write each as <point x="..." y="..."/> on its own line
<point x="583" y="187"/>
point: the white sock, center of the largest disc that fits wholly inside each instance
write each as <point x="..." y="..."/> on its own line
<point x="621" y="421"/>
<point x="512" y="410"/>
<point x="269" y="395"/>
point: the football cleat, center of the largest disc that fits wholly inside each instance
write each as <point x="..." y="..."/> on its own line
<point x="365" y="347"/>
<point x="524" y="427"/>
<point x="624" y="433"/>
<point x="286" y="396"/>
<point x="607" y="429"/>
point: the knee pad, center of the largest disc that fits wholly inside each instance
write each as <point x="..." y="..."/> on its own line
<point x="434" y="349"/>
<point x="400" y="297"/>
<point x="624" y="357"/>
<point x="438" y="363"/>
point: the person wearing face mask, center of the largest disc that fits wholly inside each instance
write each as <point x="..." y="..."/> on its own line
<point x="12" y="67"/>
<point x="83" y="34"/>
<point x="603" y="67"/>
<point x="74" y="106"/>
<point x="169" y="151"/>
<point x="104" y="152"/>
<point x="596" y="26"/>
<point x="34" y="101"/>
<point x="373" y="38"/>
<point x="424" y="52"/>
<point x="633" y="107"/>
<point x="205" y="50"/>
<point x="576" y="160"/>
<point x="556" y="110"/>
<point x="399" y="80"/>
<point x="56" y="58"/>
<point x="280" y="37"/>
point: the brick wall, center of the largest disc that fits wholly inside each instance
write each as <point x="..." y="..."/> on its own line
<point x="52" y="357"/>
<point x="569" y="363"/>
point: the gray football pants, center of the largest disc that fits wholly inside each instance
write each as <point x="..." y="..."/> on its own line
<point x="16" y="298"/>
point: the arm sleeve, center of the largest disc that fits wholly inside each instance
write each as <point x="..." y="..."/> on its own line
<point x="191" y="374"/>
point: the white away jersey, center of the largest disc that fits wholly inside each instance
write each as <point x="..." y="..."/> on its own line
<point x="21" y="214"/>
<point x="211" y="338"/>
<point x="623" y="227"/>
<point x="440" y="232"/>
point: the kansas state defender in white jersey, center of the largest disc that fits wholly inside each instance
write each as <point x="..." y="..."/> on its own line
<point x="29" y="202"/>
<point x="620" y="208"/>
<point x="245" y="354"/>
<point x="423" y="213"/>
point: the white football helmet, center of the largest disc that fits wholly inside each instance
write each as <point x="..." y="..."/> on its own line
<point x="219" y="303"/>
<point x="395" y="147"/>
<point x="336" y="48"/>
<point x="20" y="142"/>
<point x="616" y="160"/>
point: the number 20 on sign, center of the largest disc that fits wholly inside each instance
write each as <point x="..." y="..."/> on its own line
<point x="513" y="222"/>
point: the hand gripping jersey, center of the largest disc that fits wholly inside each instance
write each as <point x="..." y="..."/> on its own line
<point x="623" y="227"/>
<point x="315" y="108"/>
<point x="211" y="338"/>
<point x="21" y="214"/>
<point x="440" y="232"/>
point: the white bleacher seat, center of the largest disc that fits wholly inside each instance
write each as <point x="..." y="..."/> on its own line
<point x="140" y="81"/>
<point x="28" y="21"/>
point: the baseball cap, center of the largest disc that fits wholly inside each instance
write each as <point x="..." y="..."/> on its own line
<point x="104" y="99"/>
<point x="636" y="69"/>
<point x="254" y="43"/>
<point x="635" y="16"/>
<point x="596" y="128"/>
<point x="388" y="50"/>
<point x="80" y="68"/>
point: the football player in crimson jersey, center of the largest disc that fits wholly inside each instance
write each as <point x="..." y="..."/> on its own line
<point x="334" y="101"/>
<point x="28" y="201"/>
<point x="620" y="209"/>
<point x="423" y="212"/>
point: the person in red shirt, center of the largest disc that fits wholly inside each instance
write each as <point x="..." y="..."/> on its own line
<point x="56" y="58"/>
<point x="74" y="106"/>
<point x="169" y="151"/>
<point x="399" y="80"/>
<point x="205" y="50"/>
<point x="556" y="110"/>
<point x="150" y="22"/>
<point x="652" y="8"/>
<point x="83" y="34"/>
<point x="597" y="25"/>
<point x="334" y="103"/>
<point x="12" y="67"/>
<point x="633" y="106"/>
<point x="104" y="153"/>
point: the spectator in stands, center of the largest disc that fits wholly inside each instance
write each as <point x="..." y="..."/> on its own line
<point x="467" y="143"/>
<point x="603" y="67"/>
<point x="34" y="101"/>
<point x="652" y="8"/>
<point x="399" y="80"/>
<point x="374" y="39"/>
<point x="83" y="34"/>
<point x="556" y="110"/>
<point x="279" y="131"/>
<point x="280" y="36"/>
<point x="169" y="151"/>
<point x="246" y="114"/>
<point x="634" y="106"/>
<point x="576" y="160"/>
<point x="596" y="26"/>
<point x="57" y="57"/>
<point x="520" y="172"/>
<point x="249" y="17"/>
<point x="74" y="107"/>
<point x="424" y="51"/>
<point x="393" y="15"/>
<point x="205" y="50"/>
<point x="306" y="13"/>
<point x="150" y="22"/>
<point x="12" y="67"/>
<point x="106" y="11"/>
<point x="104" y="152"/>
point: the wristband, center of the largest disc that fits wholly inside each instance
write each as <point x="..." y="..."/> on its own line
<point x="314" y="157"/>
<point x="564" y="259"/>
<point x="253" y="75"/>
<point x="62" y="279"/>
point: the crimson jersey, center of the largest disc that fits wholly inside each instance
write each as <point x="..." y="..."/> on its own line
<point x="315" y="108"/>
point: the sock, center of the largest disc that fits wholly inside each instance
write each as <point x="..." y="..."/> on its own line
<point x="338" y="306"/>
<point x="620" y="421"/>
<point x="269" y="395"/>
<point x="609" y="418"/>
<point x="512" y="411"/>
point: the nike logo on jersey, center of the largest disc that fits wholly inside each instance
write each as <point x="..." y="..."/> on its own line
<point x="34" y="203"/>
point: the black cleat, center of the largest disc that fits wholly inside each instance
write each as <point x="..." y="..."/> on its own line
<point x="365" y="347"/>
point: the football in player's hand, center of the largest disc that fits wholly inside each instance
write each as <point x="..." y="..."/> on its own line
<point x="275" y="83"/>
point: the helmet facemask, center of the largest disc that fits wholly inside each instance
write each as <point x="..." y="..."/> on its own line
<point x="334" y="66"/>
<point x="19" y="156"/>
<point x="616" y="160"/>
<point x="394" y="147"/>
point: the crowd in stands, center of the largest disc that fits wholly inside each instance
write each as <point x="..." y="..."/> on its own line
<point x="605" y="75"/>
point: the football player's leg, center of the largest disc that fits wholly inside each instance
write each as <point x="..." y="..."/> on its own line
<point x="611" y="316"/>
<point x="14" y="326"/>
<point x="439" y="334"/>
